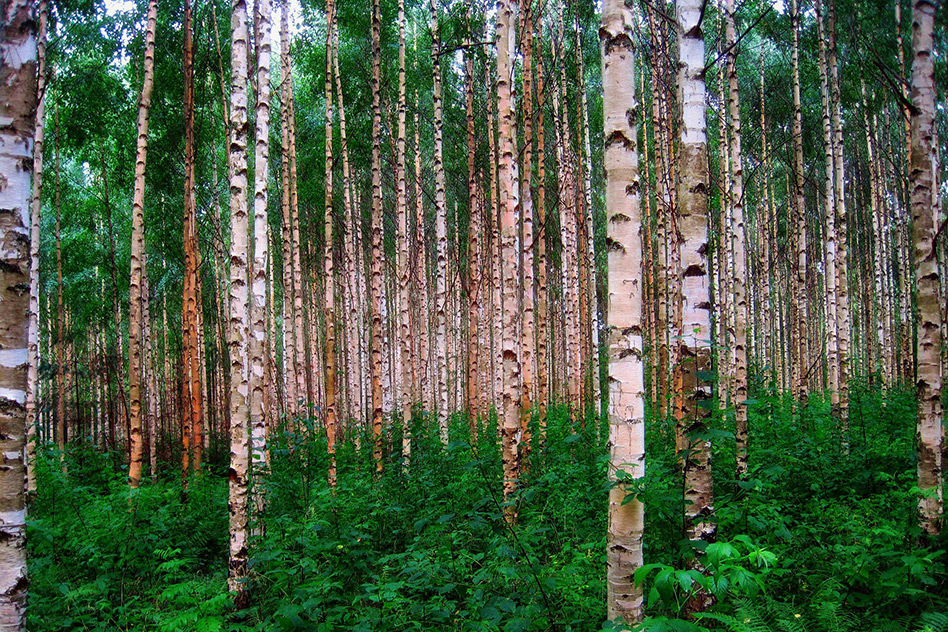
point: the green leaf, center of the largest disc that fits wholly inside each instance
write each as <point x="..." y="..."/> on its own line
<point x="706" y="376"/>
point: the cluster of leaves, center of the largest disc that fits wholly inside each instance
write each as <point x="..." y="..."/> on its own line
<point x="104" y="557"/>
<point x="424" y="546"/>
<point x="821" y="535"/>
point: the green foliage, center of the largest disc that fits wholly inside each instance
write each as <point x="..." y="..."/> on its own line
<point x="425" y="547"/>
<point x="820" y="537"/>
<point x="104" y="557"/>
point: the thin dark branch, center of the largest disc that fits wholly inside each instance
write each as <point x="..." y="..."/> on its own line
<point x="738" y="40"/>
<point x="652" y="6"/>
<point x="893" y="83"/>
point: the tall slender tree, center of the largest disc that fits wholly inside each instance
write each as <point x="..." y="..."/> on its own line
<point x="509" y="235"/>
<point x="626" y="366"/>
<point x="290" y="372"/>
<point x="542" y="298"/>
<point x="377" y="251"/>
<point x="829" y="191"/>
<point x="403" y="269"/>
<point x="138" y="255"/>
<point x="18" y="66"/>
<point x="694" y="344"/>
<point x="258" y="287"/>
<point x="843" y="325"/>
<point x="32" y="420"/>
<point x="237" y="503"/>
<point x="528" y="319"/>
<point x="191" y="382"/>
<point x="924" y="201"/>
<point x="441" y="236"/>
<point x="328" y="263"/>
<point x="799" y="305"/>
<point x="736" y="236"/>
<point x="60" y="307"/>
<point x="474" y="238"/>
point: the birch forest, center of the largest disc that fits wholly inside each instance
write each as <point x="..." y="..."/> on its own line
<point x="473" y="315"/>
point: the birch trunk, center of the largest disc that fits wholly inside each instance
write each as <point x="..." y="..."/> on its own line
<point x="17" y="103"/>
<point x="589" y="266"/>
<point x="377" y="253"/>
<point x="404" y="270"/>
<point x="304" y="383"/>
<point x="843" y="325"/>
<point x="32" y="381"/>
<point x="542" y="300"/>
<point x="924" y="200"/>
<point x="138" y="254"/>
<point x="510" y="248"/>
<point x="328" y="263"/>
<point x="528" y="322"/>
<point x="474" y="236"/>
<point x="441" y="236"/>
<point x="350" y="238"/>
<point x="237" y="505"/>
<point x="829" y="191"/>
<point x="258" y="287"/>
<point x="694" y="347"/>
<point x="191" y="384"/>
<point x="421" y="278"/>
<point x="61" y="315"/>
<point x="800" y="362"/>
<point x="289" y="339"/>
<point x="736" y="234"/>
<point x="626" y="366"/>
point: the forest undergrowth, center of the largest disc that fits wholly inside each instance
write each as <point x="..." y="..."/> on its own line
<point x="821" y="537"/>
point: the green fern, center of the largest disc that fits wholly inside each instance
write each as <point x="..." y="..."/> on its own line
<point x="932" y="622"/>
<point x="737" y="624"/>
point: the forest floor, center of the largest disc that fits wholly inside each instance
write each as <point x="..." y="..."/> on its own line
<point x="819" y="538"/>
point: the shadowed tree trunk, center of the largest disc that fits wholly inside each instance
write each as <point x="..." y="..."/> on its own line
<point x="799" y="306"/>
<point x="377" y="252"/>
<point x="924" y="200"/>
<point x="60" y="312"/>
<point x="191" y="367"/>
<point x="736" y="235"/>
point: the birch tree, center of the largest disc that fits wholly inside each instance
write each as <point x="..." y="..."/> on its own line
<point x="694" y="344"/>
<point x="736" y="236"/>
<point x="32" y="420"/>
<point x="239" y="396"/>
<point x="258" y="288"/>
<point x="138" y="255"/>
<point x="509" y="216"/>
<point x="441" y="237"/>
<point x="18" y="66"/>
<point x="626" y="366"/>
<point x="924" y="202"/>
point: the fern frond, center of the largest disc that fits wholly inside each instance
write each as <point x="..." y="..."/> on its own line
<point x="932" y="622"/>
